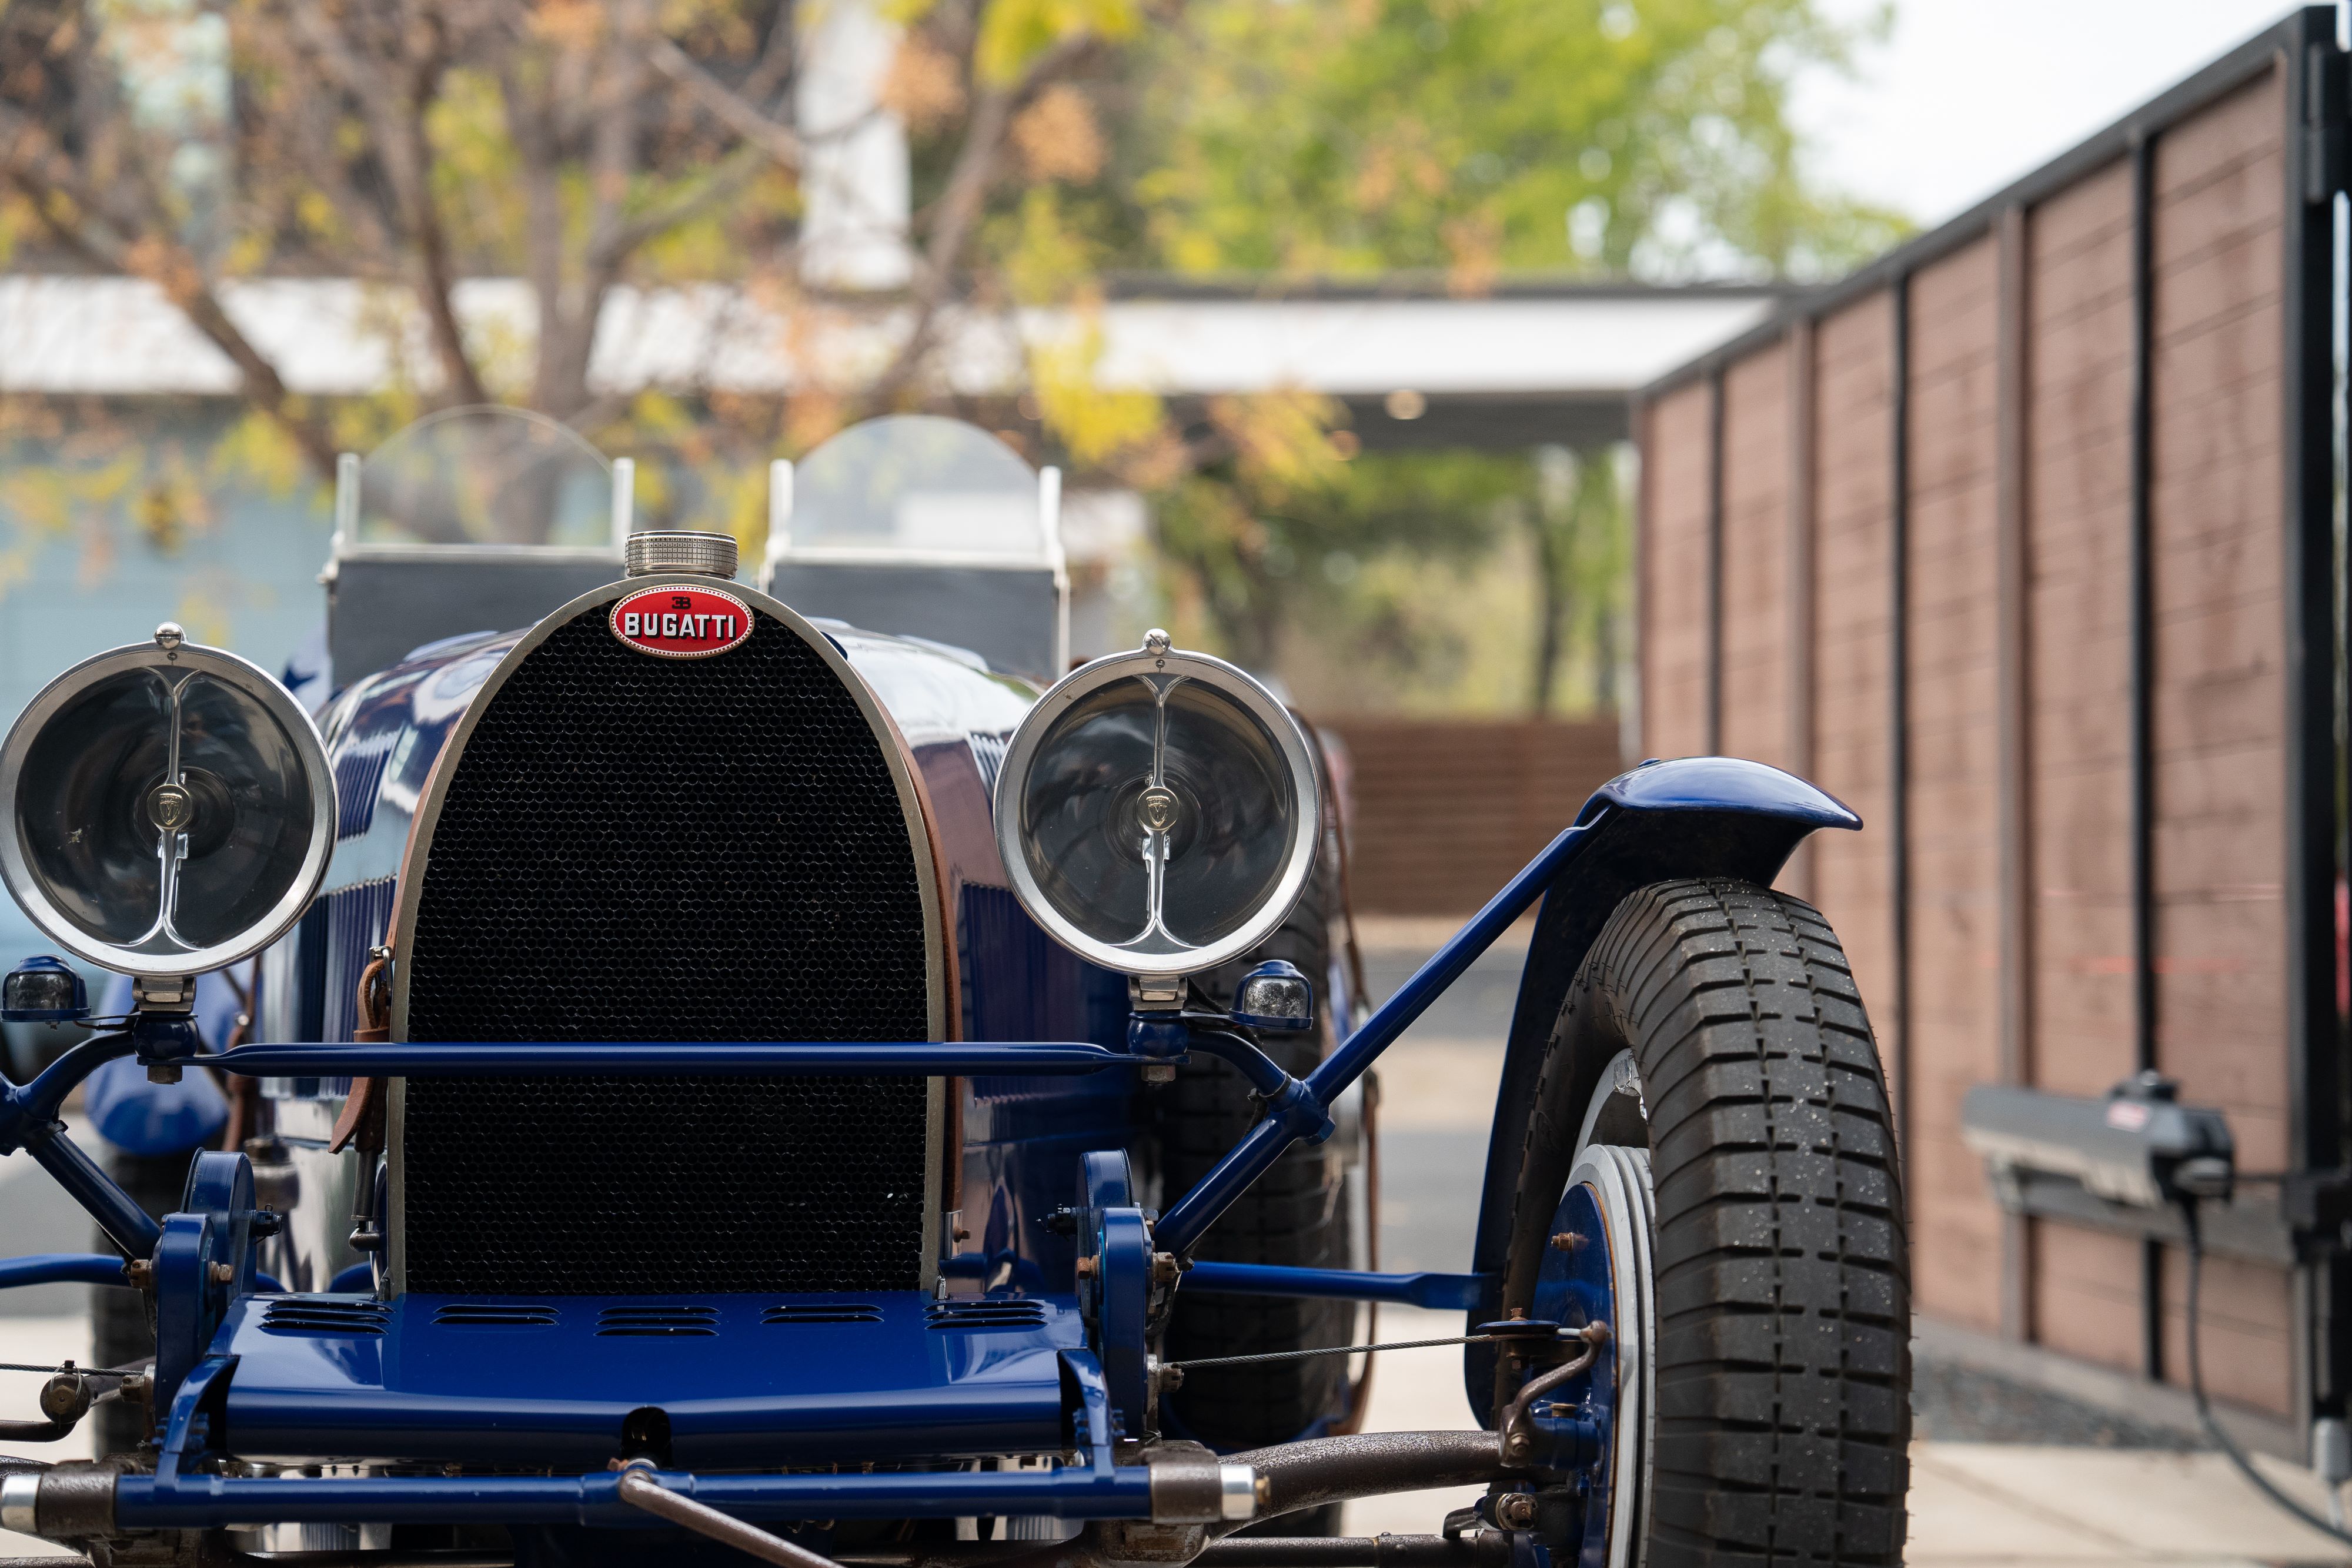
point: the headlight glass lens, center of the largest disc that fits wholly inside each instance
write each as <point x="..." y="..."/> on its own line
<point x="1157" y="815"/>
<point x="164" y="811"/>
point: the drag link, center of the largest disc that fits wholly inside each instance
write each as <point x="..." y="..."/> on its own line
<point x="639" y="1490"/>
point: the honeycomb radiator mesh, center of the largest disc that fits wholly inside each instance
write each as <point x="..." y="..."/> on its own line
<point x="635" y="848"/>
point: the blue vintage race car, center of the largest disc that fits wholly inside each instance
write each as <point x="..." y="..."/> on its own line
<point x="725" y="1080"/>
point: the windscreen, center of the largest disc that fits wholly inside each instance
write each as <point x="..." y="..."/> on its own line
<point x="917" y="485"/>
<point x="485" y="476"/>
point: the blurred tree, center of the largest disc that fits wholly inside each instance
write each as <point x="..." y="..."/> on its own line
<point x="428" y="148"/>
<point x="1468" y="139"/>
<point x="1259" y="548"/>
<point x="1583" y="550"/>
<point x="580" y="145"/>
<point x="1323" y="138"/>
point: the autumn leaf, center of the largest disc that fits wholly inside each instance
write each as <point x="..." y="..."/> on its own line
<point x="1057" y="137"/>
<point x="1012" y="33"/>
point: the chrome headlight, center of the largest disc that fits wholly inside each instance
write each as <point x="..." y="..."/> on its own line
<point x="169" y="808"/>
<point x="1157" y="811"/>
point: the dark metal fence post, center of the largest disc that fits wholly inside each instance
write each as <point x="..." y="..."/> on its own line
<point x="2314" y="90"/>
<point x="1714" y="562"/>
<point x="2140" y="587"/>
<point x="2012" y="703"/>
<point x="1898" y="706"/>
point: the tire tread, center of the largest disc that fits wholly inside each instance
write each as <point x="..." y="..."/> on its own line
<point x="1782" y="1290"/>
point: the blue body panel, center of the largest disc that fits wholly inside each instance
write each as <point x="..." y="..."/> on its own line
<point x="744" y="1380"/>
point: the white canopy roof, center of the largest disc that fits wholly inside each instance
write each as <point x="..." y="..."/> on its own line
<point x="108" y="336"/>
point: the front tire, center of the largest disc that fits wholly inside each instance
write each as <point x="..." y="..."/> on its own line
<point x="1780" y="1423"/>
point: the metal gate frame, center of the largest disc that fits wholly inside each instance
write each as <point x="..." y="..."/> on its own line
<point x="2317" y="578"/>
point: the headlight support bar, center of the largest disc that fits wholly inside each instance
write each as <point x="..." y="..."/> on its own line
<point x="28" y="1121"/>
<point x="747" y="1058"/>
<point x="1303" y="1109"/>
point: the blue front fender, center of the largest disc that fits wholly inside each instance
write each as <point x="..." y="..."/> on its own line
<point x="1695" y="816"/>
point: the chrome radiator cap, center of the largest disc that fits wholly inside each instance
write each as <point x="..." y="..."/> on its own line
<point x="682" y="550"/>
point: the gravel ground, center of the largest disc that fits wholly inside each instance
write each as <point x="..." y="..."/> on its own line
<point x="1959" y="1405"/>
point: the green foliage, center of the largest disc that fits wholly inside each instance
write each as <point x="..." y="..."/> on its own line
<point x="1346" y="137"/>
<point x="1260" y="550"/>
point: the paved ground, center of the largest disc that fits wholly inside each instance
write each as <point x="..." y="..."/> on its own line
<point x="2004" y="1476"/>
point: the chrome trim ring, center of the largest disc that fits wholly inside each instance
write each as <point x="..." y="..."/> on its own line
<point x="174" y="665"/>
<point x="1156" y="658"/>
<point x="1622" y="1189"/>
<point x="1237" y="1492"/>
<point x="19" y="1497"/>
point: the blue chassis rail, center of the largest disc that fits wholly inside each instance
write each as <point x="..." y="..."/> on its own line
<point x="173" y="1498"/>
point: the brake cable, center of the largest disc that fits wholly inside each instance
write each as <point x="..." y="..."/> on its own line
<point x="1347" y="1350"/>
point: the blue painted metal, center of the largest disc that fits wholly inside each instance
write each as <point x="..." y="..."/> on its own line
<point x="1576" y="1427"/>
<point x="1726" y="785"/>
<point x="28" y="1121"/>
<point x="188" y="1303"/>
<point x="1570" y="1443"/>
<point x="750" y="1058"/>
<point x="220" y="1187"/>
<point x="1117" y="1300"/>
<point x="752" y="1380"/>
<point x="61" y="1268"/>
<point x="189" y="1415"/>
<point x="25" y="1107"/>
<point x="1265" y="1074"/>
<point x="1442" y="1291"/>
<point x="126" y="1224"/>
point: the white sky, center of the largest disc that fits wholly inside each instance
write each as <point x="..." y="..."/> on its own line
<point x="1967" y="94"/>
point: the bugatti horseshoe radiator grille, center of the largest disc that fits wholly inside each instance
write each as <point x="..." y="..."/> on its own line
<point x="638" y="847"/>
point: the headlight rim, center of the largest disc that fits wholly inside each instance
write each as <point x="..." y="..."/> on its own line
<point x="16" y="870"/>
<point x="1159" y="657"/>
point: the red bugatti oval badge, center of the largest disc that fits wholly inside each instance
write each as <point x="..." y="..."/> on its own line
<point x="681" y="623"/>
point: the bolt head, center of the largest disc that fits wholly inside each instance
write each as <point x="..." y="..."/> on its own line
<point x="1155" y="642"/>
<point x="1086" y="1268"/>
<point x="66" y="1396"/>
<point x="170" y="635"/>
<point x="1515" y="1510"/>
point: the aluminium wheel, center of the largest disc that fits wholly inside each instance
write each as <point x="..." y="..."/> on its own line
<point x="1711" y="1111"/>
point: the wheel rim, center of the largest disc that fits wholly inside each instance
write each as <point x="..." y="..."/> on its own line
<point x="1609" y="1203"/>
